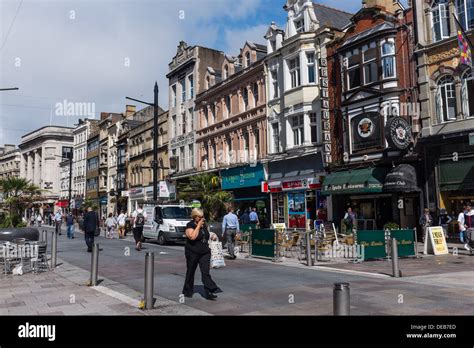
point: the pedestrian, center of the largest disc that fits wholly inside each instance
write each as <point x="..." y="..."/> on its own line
<point x="121" y="220"/>
<point x="32" y="220"/>
<point x="91" y="224"/>
<point x="230" y="227"/>
<point x="444" y="220"/>
<point x="139" y="218"/>
<point x="245" y="218"/>
<point x="197" y="252"/>
<point x="350" y="220"/>
<point x="110" y="225"/>
<point x="469" y="225"/>
<point x="426" y="220"/>
<point x="461" y="223"/>
<point x="253" y="216"/>
<point x="58" y="218"/>
<point x="70" y="226"/>
<point x="50" y="219"/>
<point x="39" y="220"/>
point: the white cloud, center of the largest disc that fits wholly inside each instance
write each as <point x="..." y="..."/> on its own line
<point x="235" y="39"/>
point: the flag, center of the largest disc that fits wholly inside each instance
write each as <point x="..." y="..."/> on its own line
<point x="464" y="45"/>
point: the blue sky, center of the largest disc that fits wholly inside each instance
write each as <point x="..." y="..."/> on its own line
<point x="75" y="50"/>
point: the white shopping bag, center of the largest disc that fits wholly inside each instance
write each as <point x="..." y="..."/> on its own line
<point x="18" y="270"/>
<point x="217" y="256"/>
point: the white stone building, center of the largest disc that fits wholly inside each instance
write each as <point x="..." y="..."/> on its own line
<point x="10" y="157"/>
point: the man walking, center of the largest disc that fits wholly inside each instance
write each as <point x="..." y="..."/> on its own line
<point x="91" y="224"/>
<point x="139" y="218"/>
<point x="469" y="224"/>
<point x="230" y="227"/>
<point x="121" y="220"/>
<point x="253" y="216"/>
<point x="70" y="226"/>
<point x="461" y="223"/>
<point x="58" y="220"/>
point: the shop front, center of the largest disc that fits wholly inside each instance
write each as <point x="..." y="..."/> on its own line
<point x="245" y="183"/>
<point x="137" y="195"/>
<point x="103" y="207"/>
<point x="295" y="189"/>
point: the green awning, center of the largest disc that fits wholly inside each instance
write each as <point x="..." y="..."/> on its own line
<point x="456" y="175"/>
<point x="367" y="180"/>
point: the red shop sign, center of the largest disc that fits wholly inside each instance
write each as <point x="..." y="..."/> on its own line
<point x="291" y="185"/>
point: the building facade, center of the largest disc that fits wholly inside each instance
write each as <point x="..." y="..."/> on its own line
<point x="231" y="130"/>
<point x="297" y="94"/>
<point x="42" y="151"/>
<point x="10" y="158"/>
<point x="186" y="76"/>
<point x="447" y="104"/>
<point x="374" y="119"/>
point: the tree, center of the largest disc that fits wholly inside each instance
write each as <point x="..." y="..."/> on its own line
<point x="206" y="189"/>
<point x="18" y="193"/>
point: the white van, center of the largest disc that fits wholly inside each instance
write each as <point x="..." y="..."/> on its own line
<point x="166" y="223"/>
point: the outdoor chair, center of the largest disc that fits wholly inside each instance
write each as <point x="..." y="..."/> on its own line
<point x="40" y="262"/>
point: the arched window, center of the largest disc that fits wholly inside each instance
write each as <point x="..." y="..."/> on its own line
<point x="446" y="99"/>
<point x="465" y="11"/>
<point x="467" y="93"/>
<point x="226" y="71"/>
<point x="245" y="97"/>
<point x="247" y="59"/>
<point x="440" y="18"/>
<point x="208" y="82"/>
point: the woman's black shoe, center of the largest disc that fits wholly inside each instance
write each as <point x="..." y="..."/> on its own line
<point x="188" y="295"/>
<point x="217" y="291"/>
<point x="210" y="296"/>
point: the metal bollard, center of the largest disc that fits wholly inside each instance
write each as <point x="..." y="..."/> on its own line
<point x="44" y="236"/>
<point x="394" y="254"/>
<point x="54" y="249"/>
<point x="94" y="264"/>
<point x="309" y="259"/>
<point x="149" y="279"/>
<point x="341" y="299"/>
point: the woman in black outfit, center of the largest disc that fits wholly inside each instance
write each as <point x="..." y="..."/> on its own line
<point x="197" y="252"/>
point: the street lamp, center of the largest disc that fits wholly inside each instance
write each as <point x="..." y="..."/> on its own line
<point x="155" y="139"/>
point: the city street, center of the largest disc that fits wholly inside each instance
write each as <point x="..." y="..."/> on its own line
<point x="258" y="287"/>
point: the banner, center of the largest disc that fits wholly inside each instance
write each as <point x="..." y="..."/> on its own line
<point x="464" y="45"/>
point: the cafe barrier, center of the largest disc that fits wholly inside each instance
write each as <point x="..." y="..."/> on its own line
<point x="374" y="244"/>
<point x="405" y="241"/>
<point x="263" y="243"/>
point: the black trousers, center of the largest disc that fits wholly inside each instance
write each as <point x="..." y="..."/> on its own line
<point x="204" y="262"/>
<point x="138" y="233"/>
<point x="89" y="237"/>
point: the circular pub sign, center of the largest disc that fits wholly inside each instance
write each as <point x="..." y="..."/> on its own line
<point x="398" y="133"/>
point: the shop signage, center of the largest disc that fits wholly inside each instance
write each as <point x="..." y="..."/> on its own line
<point x="103" y="200"/>
<point x="48" y="185"/>
<point x="373" y="242"/>
<point x="196" y="204"/>
<point x="401" y="179"/>
<point x="164" y="190"/>
<point x="436" y="243"/>
<point x="366" y="131"/>
<point x="398" y="133"/>
<point x="136" y="192"/>
<point x="300" y="184"/>
<point x="182" y="140"/>
<point x="240" y="177"/>
<point x="263" y="243"/>
<point x="326" y="121"/>
<point x="405" y="241"/>
<point x="265" y="188"/>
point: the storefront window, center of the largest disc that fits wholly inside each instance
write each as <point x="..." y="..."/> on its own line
<point x="296" y="210"/>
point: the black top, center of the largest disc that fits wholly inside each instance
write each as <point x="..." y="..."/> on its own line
<point x="91" y="221"/>
<point x="200" y="244"/>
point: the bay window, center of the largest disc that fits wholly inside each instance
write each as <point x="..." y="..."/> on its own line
<point x="297" y="125"/>
<point x="388" y="59"/>
<point x="353" y="71"/>
<point x="440" y="18"/>
<point x="294" y="68"/>
<point x="370" y="65"/>
<point x="311" y="67"/>
<point x="313" y="122"/>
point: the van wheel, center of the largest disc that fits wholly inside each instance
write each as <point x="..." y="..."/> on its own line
<point x="161" y="239"/>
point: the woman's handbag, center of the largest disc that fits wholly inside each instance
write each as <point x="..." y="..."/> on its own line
<point x="217" y="255"/>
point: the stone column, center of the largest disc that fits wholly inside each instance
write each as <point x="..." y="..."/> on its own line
<point x="37" y="175"/>
<point x="29" y="168"/>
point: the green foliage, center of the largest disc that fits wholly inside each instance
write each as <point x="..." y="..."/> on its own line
<point x="89" y="203"/>
<point x="206" y="188"/>
<point x="391" y="226"/>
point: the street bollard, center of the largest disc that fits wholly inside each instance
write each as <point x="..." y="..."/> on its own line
<point x="44" y="236"/>
<point x="149" y="279"/>
<point x="54" y="249"/>
<point x="94" y="264"/>
<point x="341" y="299"/>
<point x="394" y="254"/>
<point x="309" y="259"/>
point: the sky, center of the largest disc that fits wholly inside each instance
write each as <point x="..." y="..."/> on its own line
<point x="100" y="51"/>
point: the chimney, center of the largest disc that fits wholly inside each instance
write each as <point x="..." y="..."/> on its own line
<point x="392" y="6"/>
<point x="130" y="111"/>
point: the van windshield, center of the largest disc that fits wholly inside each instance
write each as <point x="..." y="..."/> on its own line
<point x="176" y="213"/>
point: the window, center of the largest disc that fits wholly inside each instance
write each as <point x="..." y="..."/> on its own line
<point x="212" y="115"/>
<point x="183" y="124"/>
<point x="246" y="140"/>
<point x="370" y="65"/>
<point x="229" y="149"/>
<point x="206" y="116"/>
<point x="294" y="67"/>
<point x="190" y="119"/>
<point x="255" y="93"/>
<point x="275" y="83"/>
<point x="353" y="71"/>
<point x="92" y="163"/>
<point x="181" y="157"/>
<point x="173" y="95"/>
<point x="226" y="71"/>
<point x="297" y="124"/>
<point x="388" y="59"/>
<point x="313" y="122"/>
<point x="208" y="82"/>
<point x="182" y="84"/>
<point x="247" y="59"/>
<point x="465" y="10"/>
<point x="256" y="136"/>
<point x="311" y="68"/>
<point x="299" y="25"/>
<point x="191" y="86"/>
<point x="467" y="93"/>
<point x="228" y="105"/>
<point x="446" y="99"/>
<point x="191" y="155"/>
<point x="245" y="97"/>
<point x="214" y="154"/>
<point x="440" y="18"/>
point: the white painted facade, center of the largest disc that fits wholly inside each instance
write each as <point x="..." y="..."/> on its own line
<point x="81" y="133"/>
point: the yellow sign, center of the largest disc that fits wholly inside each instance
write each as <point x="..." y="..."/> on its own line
<point x="438" y="241"/>
<point x="279" y="226"/>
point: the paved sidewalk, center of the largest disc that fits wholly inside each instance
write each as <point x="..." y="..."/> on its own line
<point x="64" y="291"/>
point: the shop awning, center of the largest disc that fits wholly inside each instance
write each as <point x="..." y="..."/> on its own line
<point x="456" y="175"/>
<point x="402" y="178"/>
<point x="367" y="180"/>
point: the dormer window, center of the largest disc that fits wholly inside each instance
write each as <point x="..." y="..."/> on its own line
<point x="299" y="25"/>
<point x="247" y="59"/>
<point x="226" y="71"/>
